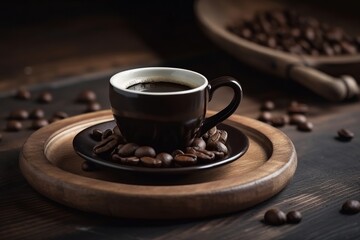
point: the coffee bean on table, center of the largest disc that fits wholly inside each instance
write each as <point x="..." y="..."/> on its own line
<point x="20" y="114"/>
<point x="93" y="107"/>
<point x="296" y="119"/>
<point x="350" y="207"/>
<point x="293" y="217"/>
<point x="345" y="135"/>
<point x="305" y="126"/>
<point x="185" y="160"/>
<point x="145" y="151"/>
<point x="165" y="158"/>
<point x="87" y="96"/>
<point x="279" y="121"/>
<point x="37" y="113"/>
<point x="267" y="106"/>
<point x="39" y="123"/>
<point x="128" y="149"/>
<point x="96" y="134"/>
<point x="150" y="162"/>
<point x="45" y="97"/>
<point x="265" y="117"/>
<point x="23" y="94"/>
<point x="13" y="125"/>
<point x="275" y="217"/>
<point x="299" y="108"/>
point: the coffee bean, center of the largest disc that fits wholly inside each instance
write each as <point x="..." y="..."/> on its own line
<point x="293" y="217"/>
<point x="106" y="145"/>
<point x="345" y="135"/>
<point x="275" y="217"/>
<point x="96" y="134"/>
<point x="185" y="160"/>
<point x="299" y="108"/>
<point x="350" y="207"/>
<point x="37" y="114"/>
<point x="265" y="117"/>
<point x="198" y="143"/>
<point x="209" y="133"/>
<point x="93" y="107"/>
<point x="267" y="106"/>
<point x="88" y="166"/>
<point x="23" y="94"/>
<point x="305" y="126"/>
<point x="39" y="123"/>
<point x="201" y="154"/>
<point x="13" y="125"/>
<point x="145" y="151"/>
<point x="20" y="114"/>
<point x="165" y="158"/>
<point x="54" y="119"/>
<point x="45" y="97"/>
<point x="176" y="152"/>
<point x="116" y="131"/>
<point x="60" y="114"/>
<point x="86" y="96"/>
<point x="279" y="121"/>
<point x="107" y="133"/>
<point x="150" y="162"/>
<point x="296" y="119"/>
<point x="128" y="149"/>
<point x="218" y="147"/>
<point x="132" y="160"/>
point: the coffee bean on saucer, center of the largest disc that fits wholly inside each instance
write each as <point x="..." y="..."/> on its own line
<point x="305" y="126"/>
<point x="201" y="154"/>
<point x="293" y="217"/>
<point x="150" y="162"/>
<point x="107" y="133"/>
<point x="39" y="123"/>
<point x="209" y="133"/>
<point x="279" y="121"/>
<point x="185" y="160"/>
<point x="345" y="135"/>
<point x="93" y="107"/>
<point x="275" y="217"/>
<point x="145" y="151"/>
<point x="199" y="143"/>
<point x="176" y="152"/>
<point x="165" y="158"/>
<point x="23" y="94"/>
<point x="350" y="207"/>
<point x="37" y="113"/>
<point x="13" y="125"/>
<point x="132" y="160"/>
<point x="20" y="114"/>
<point x="267" y="106"/>
<point x="45" y="97"/>
<point x="128" y="149"/>
<point x="106" y="145"/>
<point x="87" y="96"/>
<point x="218" y="147"/>
<point x="265" y="117"/>
<point x="96" y="134"/>
<point x="296" y="119"/>
<point x="60" y="114"/>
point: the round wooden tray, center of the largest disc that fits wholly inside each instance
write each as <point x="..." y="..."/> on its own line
<point x="50" y="164"/>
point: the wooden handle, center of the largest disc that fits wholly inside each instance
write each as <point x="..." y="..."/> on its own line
<point x="333" y="89"/>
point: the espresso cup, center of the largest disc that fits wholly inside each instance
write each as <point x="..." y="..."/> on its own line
<point x="165" y="107"/>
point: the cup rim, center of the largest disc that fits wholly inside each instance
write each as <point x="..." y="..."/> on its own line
<point x="116" y="77"/>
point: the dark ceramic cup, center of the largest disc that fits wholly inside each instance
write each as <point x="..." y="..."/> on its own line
<point x="166" y="119"/>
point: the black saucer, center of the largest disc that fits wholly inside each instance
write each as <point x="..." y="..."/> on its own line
<point x="83" y="144"/>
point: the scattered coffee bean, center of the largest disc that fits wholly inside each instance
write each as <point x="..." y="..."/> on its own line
<point x="218" y="147"/>
<point x="201" y="154"/>
<point x="145" y="151"/>
<point x="150" y="162"/>
<point x="39" y="123"/>
<point x="293" y="217"/>
<point x="45" y="97"/>
<point x="279" y="121"/>
<point x="296" y="119"/>
<point x="23" y="94"/>
<point x="13" y="125"/>
<point x="185" y="160"/>
<point x="93" y="107"/>
<point x="198" y="143"/>
<point x="107" y="145"/>
<point x="107" y="133"/>
<point x="132" y="161"/>
<point x="96" y="134"/>
<point x="267" y="106"/>
<point x="305" y="126"/>
<point x="165" y="158"/>
<point x="345" y="135"/>
<point x="88" y="167"/>
<point x="298" y="108"/>
<point x="128" y="150"/>
<point x="37" y="114"/>
<point x="351" y="207"/>
<point x="20" y="114"/>
<point x="60" y="114"/>
<point x="86" y="96"/>
<point x="265" y="117"/>
<point x="275" y="217"/>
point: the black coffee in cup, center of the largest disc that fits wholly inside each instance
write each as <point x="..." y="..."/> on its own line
<point x="154" y="85"/>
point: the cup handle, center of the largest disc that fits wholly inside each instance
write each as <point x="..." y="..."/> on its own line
<point x="225" y="81"/>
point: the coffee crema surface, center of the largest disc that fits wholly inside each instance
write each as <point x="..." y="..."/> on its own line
<point x="158" y="87"/>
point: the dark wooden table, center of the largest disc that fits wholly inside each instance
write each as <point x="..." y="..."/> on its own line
<point x="66" y="57"/>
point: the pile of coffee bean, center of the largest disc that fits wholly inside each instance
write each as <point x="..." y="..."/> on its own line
<point x="286" y="30"/>
<point x="296" y="115"/>
<point x="112" y="146"/>
<point x="276" y="217"/>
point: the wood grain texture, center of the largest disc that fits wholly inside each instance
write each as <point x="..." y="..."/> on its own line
<point x="51" y="166"/>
